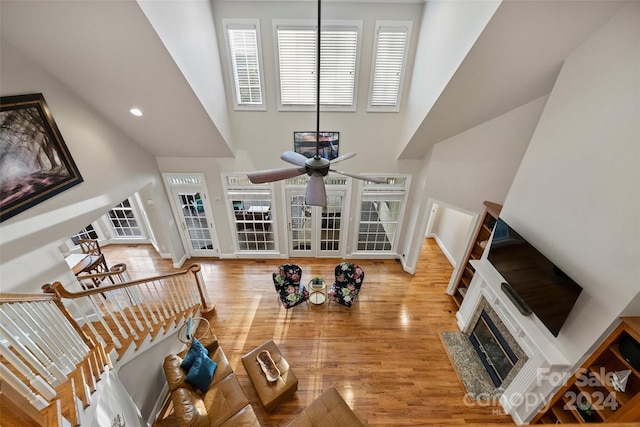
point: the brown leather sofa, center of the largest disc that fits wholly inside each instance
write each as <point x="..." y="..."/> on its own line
<point x="329" y="409"/>
<point x="224" y="403"/>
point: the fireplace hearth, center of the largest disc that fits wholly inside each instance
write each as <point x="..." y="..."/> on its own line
<point x="497" y="349"/>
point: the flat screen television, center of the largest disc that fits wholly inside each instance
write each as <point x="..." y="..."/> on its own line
<point x="532" y="278"/>
<point x="305" y="143"/>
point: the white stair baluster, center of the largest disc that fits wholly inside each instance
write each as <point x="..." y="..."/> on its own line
<point x="75" y="338"/>
<point x="53" y="376"/>
<point x="110" y="313"/>
<point x="36" y="400"/>
<point x="24" y="321"/>
<point x="88" y="323"/>
<point x="34" y="379"/>
<point x="51" y="326"/>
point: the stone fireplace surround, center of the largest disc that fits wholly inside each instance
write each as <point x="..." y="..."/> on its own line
<point x="534" y="380"/>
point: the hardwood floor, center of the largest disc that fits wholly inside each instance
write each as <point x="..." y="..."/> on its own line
<point x="384" y="355"/>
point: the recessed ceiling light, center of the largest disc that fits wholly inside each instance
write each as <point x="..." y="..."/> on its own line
<point x="136" y="112"/>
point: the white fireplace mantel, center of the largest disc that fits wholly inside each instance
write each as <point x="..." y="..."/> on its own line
<point x="538" y="378"/>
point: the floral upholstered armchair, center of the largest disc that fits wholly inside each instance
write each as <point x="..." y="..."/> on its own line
<point x="286" y="279"/>
<point x="346" y="288"/>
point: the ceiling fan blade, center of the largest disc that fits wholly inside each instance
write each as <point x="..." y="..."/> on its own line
<point x="270" y="175"/>
<point x="343" y="157"/>
<point x="362" y="177"/>
<point x="293" y="158"/>
<point x="316" y="194"/>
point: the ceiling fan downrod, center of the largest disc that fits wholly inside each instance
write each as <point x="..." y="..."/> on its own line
<point x="317" y="156"/>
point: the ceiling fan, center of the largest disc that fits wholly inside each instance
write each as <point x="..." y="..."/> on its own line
<point x="316" y="167"/>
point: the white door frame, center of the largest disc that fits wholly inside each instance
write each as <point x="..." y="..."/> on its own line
<point x="195" y="184"/>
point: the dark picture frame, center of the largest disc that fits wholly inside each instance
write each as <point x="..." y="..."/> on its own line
<point x="304" y="142"/>
<point x="35" y="163"/>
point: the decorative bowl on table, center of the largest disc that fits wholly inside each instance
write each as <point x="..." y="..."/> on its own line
<point x="268" y="366"/>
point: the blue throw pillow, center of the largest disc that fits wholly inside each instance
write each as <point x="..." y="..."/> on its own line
<point x="190" y="357"/>
<point x="201" y="372"/>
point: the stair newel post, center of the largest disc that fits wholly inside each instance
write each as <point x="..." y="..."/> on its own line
<point x="204" y="298"/>
<point x="194" y="291"/>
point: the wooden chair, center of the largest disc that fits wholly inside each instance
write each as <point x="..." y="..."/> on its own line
<point x="98" y="263"/>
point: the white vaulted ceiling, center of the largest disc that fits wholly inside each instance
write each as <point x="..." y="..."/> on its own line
<point x="120" y="54"/>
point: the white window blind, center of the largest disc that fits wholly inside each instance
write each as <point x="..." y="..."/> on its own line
<point x="244" y="53"/>
<point x="388" y="67"/>
<point x="296" y="54"/>
<point x="297" y="65"/>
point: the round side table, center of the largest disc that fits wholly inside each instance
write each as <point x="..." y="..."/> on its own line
<point x="316" y="292"/>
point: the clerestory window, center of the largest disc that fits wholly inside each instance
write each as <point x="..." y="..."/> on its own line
<point x="244" y="49"/>
<point x="389" y="60"/>
<point x="296" y="54"/>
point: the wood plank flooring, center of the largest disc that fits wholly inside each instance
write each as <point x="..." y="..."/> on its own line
<point x="384" y="355"/>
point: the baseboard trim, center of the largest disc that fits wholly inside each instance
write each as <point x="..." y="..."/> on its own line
<point x="444" y="250"/>
<point x="179" y="263"/>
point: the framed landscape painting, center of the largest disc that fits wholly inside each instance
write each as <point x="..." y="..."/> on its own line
<point x="305" y="143"/>
<point x="35" y="163"/>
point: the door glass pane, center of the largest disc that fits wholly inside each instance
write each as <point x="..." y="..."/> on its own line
<point x="330" y="226"/>
<point x="300" y="224"/>
<point x="192" y="210"/>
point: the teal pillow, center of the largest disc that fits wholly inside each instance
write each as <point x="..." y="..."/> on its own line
<point x="190" y="357"/>
<point x="201" y="372"/>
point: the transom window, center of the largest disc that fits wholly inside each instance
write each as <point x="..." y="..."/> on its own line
<point x="390" y="53"/>
<point x="243" y="45"/>
<point x="296" y="48"/>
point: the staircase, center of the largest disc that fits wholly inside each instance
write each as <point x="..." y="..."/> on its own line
<point x="56" y="347"/>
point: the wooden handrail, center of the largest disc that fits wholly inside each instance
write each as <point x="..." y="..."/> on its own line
<point x="59" y="289"/>
<point x="115" y="270"/>
<point x="10" y="297"/>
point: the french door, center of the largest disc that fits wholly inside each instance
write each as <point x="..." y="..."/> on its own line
<point x="191" y="210"/>
<point x="315" y="231"/>
<point x="196" y="225"/>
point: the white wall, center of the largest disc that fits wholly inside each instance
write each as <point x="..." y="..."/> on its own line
<point x="448" y="30"/>
<point x="576" y="194"/>
<point x="479" y="164"/>
<point x="451" y="229"/>
<point x="472" y="167"/>
<point x="113" y="167"/>
<point x="174" y="21"/>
